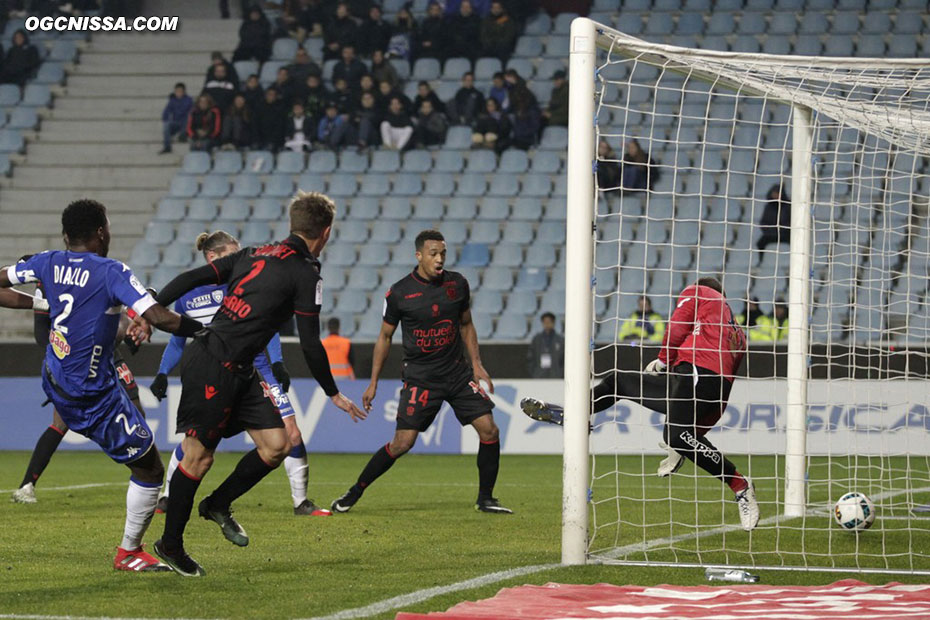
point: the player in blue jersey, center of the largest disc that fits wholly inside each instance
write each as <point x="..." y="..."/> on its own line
<point x="86" y="293"/>
<point x="202" y="303"/>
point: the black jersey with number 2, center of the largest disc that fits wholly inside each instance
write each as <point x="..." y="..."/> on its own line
<point x="430" y="315"/>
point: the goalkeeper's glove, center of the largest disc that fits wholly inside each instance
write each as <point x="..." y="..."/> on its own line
<point x="655" y="367"/>
<point x="279" y="370"/>
<point x="671" y="463"/>
<point x="159" y="386"/>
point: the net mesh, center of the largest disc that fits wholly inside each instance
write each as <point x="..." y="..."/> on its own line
<point x="693" y="177"/>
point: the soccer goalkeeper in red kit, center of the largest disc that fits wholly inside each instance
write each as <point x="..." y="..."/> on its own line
<point x="690" y="383"/>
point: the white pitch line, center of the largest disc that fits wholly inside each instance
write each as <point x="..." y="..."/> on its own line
<point x="90" y="485"/>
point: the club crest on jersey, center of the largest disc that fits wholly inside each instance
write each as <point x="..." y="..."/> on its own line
<point x="60" y="346"/>
<point x="435" y="310"/>
<point x="217" y="296"/>
<point x="451" y="292"/>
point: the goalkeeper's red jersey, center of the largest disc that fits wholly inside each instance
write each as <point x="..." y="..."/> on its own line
<point x="702" y="332"/>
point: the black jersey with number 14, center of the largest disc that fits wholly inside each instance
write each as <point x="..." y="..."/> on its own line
<point x="430" y="315"/>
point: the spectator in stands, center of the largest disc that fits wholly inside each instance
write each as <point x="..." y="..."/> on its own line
<point x="396" y="128"/>
<point x="216" y="60"/>
<point x="254" y="37"/>
<point x="499" y="91"/>
<point x="425" y="92"/>
<point x="498" y="33"/>
<point x="367" y="85"/>
<point x="299" y="130"/>
<point x="367" y="122"/>
<point x="750" y="320"/>
<point x="387" y="93"/>
<point x="307" y="19"/>
<point x="776" y="218"/>
<point x="557" y="112"/>
<point x="270" y="122"/>
<point x="772" y="328"/>
<point x="174" y="116"/>
<point x="375" y="33"/>
<point x="608" y="167"/>
<point x="644" y="325"/>
<point x="340" y="31"/>
<point x="339" y="351"/>
<point x="315" y="98"/>
<point x="517" y="89"/>
<point x="333" y="130"/>
<point x="358" y="9"/>
<point x="253" y="93"/>
<point x="431" y="33"/>
<point x="285" y="86"/>
<point x="545" y="357"/>
<point x="467" y="104"/>
<point x="302" y="67"/>
<point x="525" y="121"/>
<point x="382" y="70"/>
<point x="431" y="126"/>
<point x="405" y="29"/>
<point x="462" y="31"/>
<point x="237" y="125"/>
<point x="204" y="124"/>
<point x="343" y="97"/>
<point x="20" y="62"/>
<point x="492" y="129"/>
<point x="635" y="167"/>
<point x="220" y="88"/>
<point x="349" y="68"/>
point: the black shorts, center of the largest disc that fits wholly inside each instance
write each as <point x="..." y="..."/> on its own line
<point x="420" y="403"/>
<point x="126" y="378"/>
<point x="218" y="402"/>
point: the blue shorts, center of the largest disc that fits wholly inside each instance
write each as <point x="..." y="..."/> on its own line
<point x="110" y="420"/>
<point x="272" y="388"/>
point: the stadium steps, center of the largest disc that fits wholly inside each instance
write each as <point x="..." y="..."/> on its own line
<point x="56" y="154"/>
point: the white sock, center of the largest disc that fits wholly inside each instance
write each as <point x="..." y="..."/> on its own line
<point x="176" y="455"/>
<point x="141" y="498"/>
<point x="297" y="474"/>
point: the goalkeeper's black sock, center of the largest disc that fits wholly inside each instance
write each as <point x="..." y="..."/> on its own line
<point x="183" y="487"/>
<point x="248" y="472"/>
<point x="42" y="454"/>
<point x="489" y="460"/>
<point x="380" y="462"/>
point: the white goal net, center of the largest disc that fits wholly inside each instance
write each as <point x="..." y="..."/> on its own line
<point x="802" y="184"/>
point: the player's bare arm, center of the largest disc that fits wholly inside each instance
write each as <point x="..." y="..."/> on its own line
<point x="379" y="356"/>
<point x="10" y="298"/>
<point x="470" y="338"/>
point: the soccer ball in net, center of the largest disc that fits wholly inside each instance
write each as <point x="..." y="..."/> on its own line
<point x="854" y="512"/>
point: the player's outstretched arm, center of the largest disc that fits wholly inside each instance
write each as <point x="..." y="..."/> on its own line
<point x="470" y="337"/>
<point x="165" y="320"/>
<point x="16" y="300"/>
<point x="308" y="329"/>
<point x="378" y="357"/>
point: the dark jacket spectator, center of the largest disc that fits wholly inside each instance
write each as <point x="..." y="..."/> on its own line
<point x="217" y="59"/>
<point x="349" y="68"/>
<point x="525" y="121"/>
<point x="340" y="31"/>
<point x="388" y="93"/>
<point x="776" y="218"/>
<point x="405" y="29"/>
<point x="498" y="33"/>
<point x="367" y="121"/>
<point x="315" y="98"/>
<point x="308" y="18"/>
<point x="254" y="37"/>
<point x="343" y="97"/>
<point x="637" y="170"/>
<point x="431" y="34"/>
<point x="492" y="129"/>
<point x="425" y="92"/>
<point x="204" y="124"/>
<point x="174" y="115"/>
<point x="479" y="7"/>
<point x="253" y="92"/>
<point x="237" y="124"/>
<point x="285" y="86"/>
<point x="518" y="93"/>
<point x="467" y="104"/>
<point x="462" y="32"/>
<point x="382" y="70"/>
<point x="21" y="62"/>
<point x="359" y="8"/>
<point x="375" y="33"/>
<point x="270" y="122"/>
<point x="367" y="85"/>
<point x="396" y="128"/>
<point x="302" y="67"/>
<point x="431" y="126"/>
<point x="220" y="88"/>
<point x="608" y="168"/>
<point x="299" y="131"/>
<point x="333" y="129"/>
<point x="557" y="112"/>
<point x="546" y="356"/>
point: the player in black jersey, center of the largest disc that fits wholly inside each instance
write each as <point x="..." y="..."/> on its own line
<point x="221" y="393"/>
<point x="433" y="306"/>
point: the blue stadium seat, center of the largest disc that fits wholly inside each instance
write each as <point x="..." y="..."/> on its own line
<point x="385" y="161"/>
<point x="462" y="208"/>
<point x="256" y="162"/>
<point x="813" y="22"/>
<point x="202" y="210"/>
<point x="471" y="185"/>
<point x="37" y="95"/>
<point x="144" y="254"/>
<point x="342" y="185"/>
<point x="483" y="324"/>
<point x="532" y="279"/>
<point x="385" y="231"/>
<point x="521" y="303"/>
<point x="838" y="46"/>
<point x="196" y="162"/>
<point x="505" y="185"/>
<point x="245" y="68"/>
<point x="375" y="185"/>
<point x="417" y="161"/>
<point x="341" y="255"/>
<point x="353" y="161"/>
<point x="214" y="186"/>
<point x="481" y="162"/>
<point x="426" y="69"/>
<point x="159" y="233"/>
<point x="845" y="23"/>
<point x="449" y="161"/>
<point x="517" y="232"/>
<point x="494" y="208"/>
<point x="365" y="208"/>
<point x="536" y="185"/>
<point x="270" y="71"/>
<point x="551" y="232"/>
<point x="288" y="162"/>
<point x="407" y="185"/>
<point x="170" y="210"/>
<point x="353" y="232"/>
<point x="746" y="44"/>
<point x="557" y="47"/>
<point x="395" y="208"/>
<point x="248" y="186"/>
<point x="490" y="302"/>
<point x="690" y="23"/>
<point x="268" y="210"/>
<point x="439" y="185"/>
<point x="50" y="73"/>
<point x="351" y="302"/>
<point x="234" y="209"/>
<point x="374" y="255"/>
<point x="256" y="233"/>
<point x="513" y="161"/>
<point x="907" y="22"/>
<point x="179" y="254"/>
<point x="455" y="68"/>
<point x="505" y="255"/>
<point x="522" y="66"/>
<point x="363" y="279"/>
<point x="428" y="208"/>
<point x="284" y="49"/>
<point x="902" y="47"/>
<point x="63" y="51"/>
<point x="528" y="46"/>
<point x="541" y="255"/>
<point x="11" y="141"/>
<point x="497" y="279"/>
<point x="312" y="182"/>
<point x="279" y="186"/>
<point x="751" y="23"/>
<point x="659" y="24"/>
<point x="322" y="162"/>
<point x="554" y="139"/>
<point x="485" y="68"/>
<point x="546" y="162"/>
<point x="526" y="210"/>
<point x="458" y="137"/>
<point x="181" y="186"/>
<point x="485" y="232"/>
<point x="870" y="46"/>
<point x="474" y="255"/>
<point x="9" y="95"/>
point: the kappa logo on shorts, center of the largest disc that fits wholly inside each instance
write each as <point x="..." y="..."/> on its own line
<point x="125" y="375"/>
<point x="477" y="389"/>
<point x="209" y="391"/>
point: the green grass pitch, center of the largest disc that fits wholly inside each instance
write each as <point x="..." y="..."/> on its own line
<point x="415" y="529"/>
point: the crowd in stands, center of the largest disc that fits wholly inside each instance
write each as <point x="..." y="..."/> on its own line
<point x="20" y="62"/>
<point x="364" y="106"/>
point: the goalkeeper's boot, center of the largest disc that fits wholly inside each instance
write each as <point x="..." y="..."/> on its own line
<point x="183" y="564"/>
<point x="307" y="507"/>
<point x="161" y="506"/>
<point x="138" y="561"/>
<point x="231" y="529"/>
<point x="491" y="505"/>
<point x="748" y="507"/>
<point x="542" y="412"/>
<point x="671" y="463"/>
<point x="25" y="494"/>
<point x="345" y="503"/>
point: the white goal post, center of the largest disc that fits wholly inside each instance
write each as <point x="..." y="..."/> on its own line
<point x="885" y="104"/>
